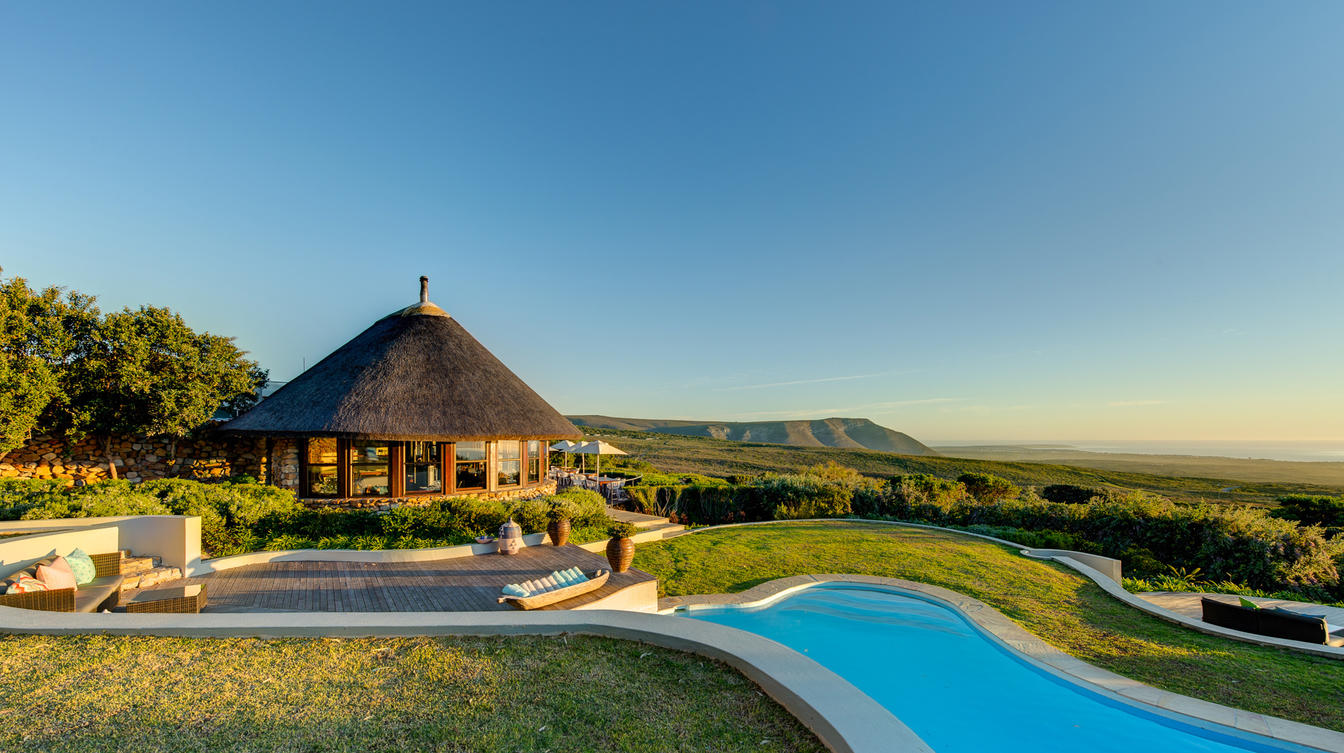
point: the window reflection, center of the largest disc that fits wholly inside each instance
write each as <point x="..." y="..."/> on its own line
<point x="533" y="461"/>
<point x="323" y="471"/>
<point x="423" y="468"/>
<point x="369" y="475"/>
<point x="470" y="465"/>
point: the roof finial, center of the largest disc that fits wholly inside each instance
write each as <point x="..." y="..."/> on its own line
<point x="424" y="289"/>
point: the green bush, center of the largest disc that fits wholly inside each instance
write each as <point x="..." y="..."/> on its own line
<point x="1316" y="510"/>
<point x="987" y="488"/>
<point x="242" y="516"/>
<point x="1239" y="544"/>
<point x="19" y="495"/>
<point x="1068" y="494"/>
<point x="588" y="508"/>
<point x="1035" y="539"/>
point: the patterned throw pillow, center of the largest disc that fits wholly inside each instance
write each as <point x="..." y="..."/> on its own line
<point x="22" y="584"/>
<point x="81" y="565"/>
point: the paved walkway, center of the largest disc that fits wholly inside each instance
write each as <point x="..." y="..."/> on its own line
<point x="462" y="584"/>
<point x="1187" y="603"/>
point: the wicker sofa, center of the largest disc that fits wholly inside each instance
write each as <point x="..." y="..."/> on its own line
<point x="103" y="592"/>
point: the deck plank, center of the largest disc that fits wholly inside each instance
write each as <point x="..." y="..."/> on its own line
<point x="464" y="584"/>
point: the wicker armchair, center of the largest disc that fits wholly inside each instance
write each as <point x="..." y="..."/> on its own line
<point x="107" y="578"/>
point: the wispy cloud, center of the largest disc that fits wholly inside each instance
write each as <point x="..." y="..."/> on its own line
<point x="819" y="380"/>
<point x="1134" y="403"/>
<point x="847" y="411"/>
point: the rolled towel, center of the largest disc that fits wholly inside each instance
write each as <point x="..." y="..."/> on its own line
<point x="563" y="577"/>
<point x="546" y="584"/>
<point x="578" y="574"/>
<point x="531" y="587"/>
<point x="513" y="589"/>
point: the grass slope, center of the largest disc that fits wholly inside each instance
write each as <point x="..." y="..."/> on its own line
<point x="1053" y="602"/>
<point x="716" y="457"/>
<point x="1240" y="469"/>
<point x="413" y="694"/>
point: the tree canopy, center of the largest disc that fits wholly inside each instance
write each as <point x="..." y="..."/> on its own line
<point x="67" y="369"/>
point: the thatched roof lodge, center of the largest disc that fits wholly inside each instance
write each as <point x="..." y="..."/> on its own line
<point x="414" y="405"/>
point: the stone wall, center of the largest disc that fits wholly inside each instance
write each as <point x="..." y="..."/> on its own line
<point x="423" y="500"/>
<point x="139" y="459"/>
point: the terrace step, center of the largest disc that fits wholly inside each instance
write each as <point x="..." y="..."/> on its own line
<point x="639" y="520"/>
<point x="148" y="578"/>
<point x="131" y="565"/>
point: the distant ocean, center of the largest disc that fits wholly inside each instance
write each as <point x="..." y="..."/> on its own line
<point x="1305" y="451"/>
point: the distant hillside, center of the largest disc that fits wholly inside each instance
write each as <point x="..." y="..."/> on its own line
<point x="714" y="457"/>
<point x="849" y="433"/>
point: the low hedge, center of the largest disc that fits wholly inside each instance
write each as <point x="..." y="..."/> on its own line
<point x="1150" y="534"/>
<point x="244" y="516"/>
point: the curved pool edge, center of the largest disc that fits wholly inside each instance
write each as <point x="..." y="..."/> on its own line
<point x="994" y="625"/>
<point x="1075" y="561"/>
<point x="844" y="718"/>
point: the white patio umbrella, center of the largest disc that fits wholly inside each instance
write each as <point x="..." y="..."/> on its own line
<point x="598" y="448"/>
<point x="564" y="446"/>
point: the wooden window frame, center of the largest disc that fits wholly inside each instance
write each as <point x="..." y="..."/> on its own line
<point x="527" y="461"/>
<point x="444" y="486"/>
<point x="473" y="489"/>
<point x="520" y="460"/>
<point x="342" y="471"/>
<point x="349" y="472"/>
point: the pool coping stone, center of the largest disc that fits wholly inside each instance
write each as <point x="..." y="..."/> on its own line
<point x="1000" y="629"/>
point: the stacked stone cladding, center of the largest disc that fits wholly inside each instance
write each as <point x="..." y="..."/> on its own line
<point x="138" y="458"/>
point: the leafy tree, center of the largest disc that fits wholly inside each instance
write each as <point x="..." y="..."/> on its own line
<point x="66" y="369"/>
<point x="988" y="488"/>
<point x="41" y="333"/>
<point x="147" y="373"/>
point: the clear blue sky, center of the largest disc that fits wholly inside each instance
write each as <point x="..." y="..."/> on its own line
<point x="963" y="220"/>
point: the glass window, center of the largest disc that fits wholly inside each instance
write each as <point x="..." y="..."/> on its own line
<point x="470" y="465"/>
<point x="323" y="471"/>
<point x="533" y="461"/>
<point x="369" y="463"/>
<point x="423" y="468"/>
<point x="510" y="463"/>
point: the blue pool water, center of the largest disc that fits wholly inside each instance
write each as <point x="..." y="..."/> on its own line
<point x="956" y="688"/>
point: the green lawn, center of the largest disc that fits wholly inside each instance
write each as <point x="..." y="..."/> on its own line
<point x="1049" y="600"/>
<point x="414" y="694"/>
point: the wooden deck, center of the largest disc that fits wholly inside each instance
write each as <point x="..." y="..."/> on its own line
<point x="462" y="584"/>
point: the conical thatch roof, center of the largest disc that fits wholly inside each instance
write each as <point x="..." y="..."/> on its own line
<point x="415" y="374"/>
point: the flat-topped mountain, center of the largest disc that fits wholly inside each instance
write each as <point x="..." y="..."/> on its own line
<point x="854" y="433"/>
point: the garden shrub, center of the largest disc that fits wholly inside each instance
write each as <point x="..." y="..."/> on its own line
<point x="243" y="516"/>
<point x="1068" y="494"/>
<point x="1317" y="510"/>
<point x="799" y="497"/>
<point x="1240" y="544"/>
<point x="987" y="488"/>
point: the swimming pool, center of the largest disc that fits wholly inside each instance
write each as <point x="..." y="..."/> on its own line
<point x="956" y="688"/>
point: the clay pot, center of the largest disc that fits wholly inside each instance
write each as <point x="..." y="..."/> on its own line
<point x="620" y="553"/>
<point x="558" y="530"/>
